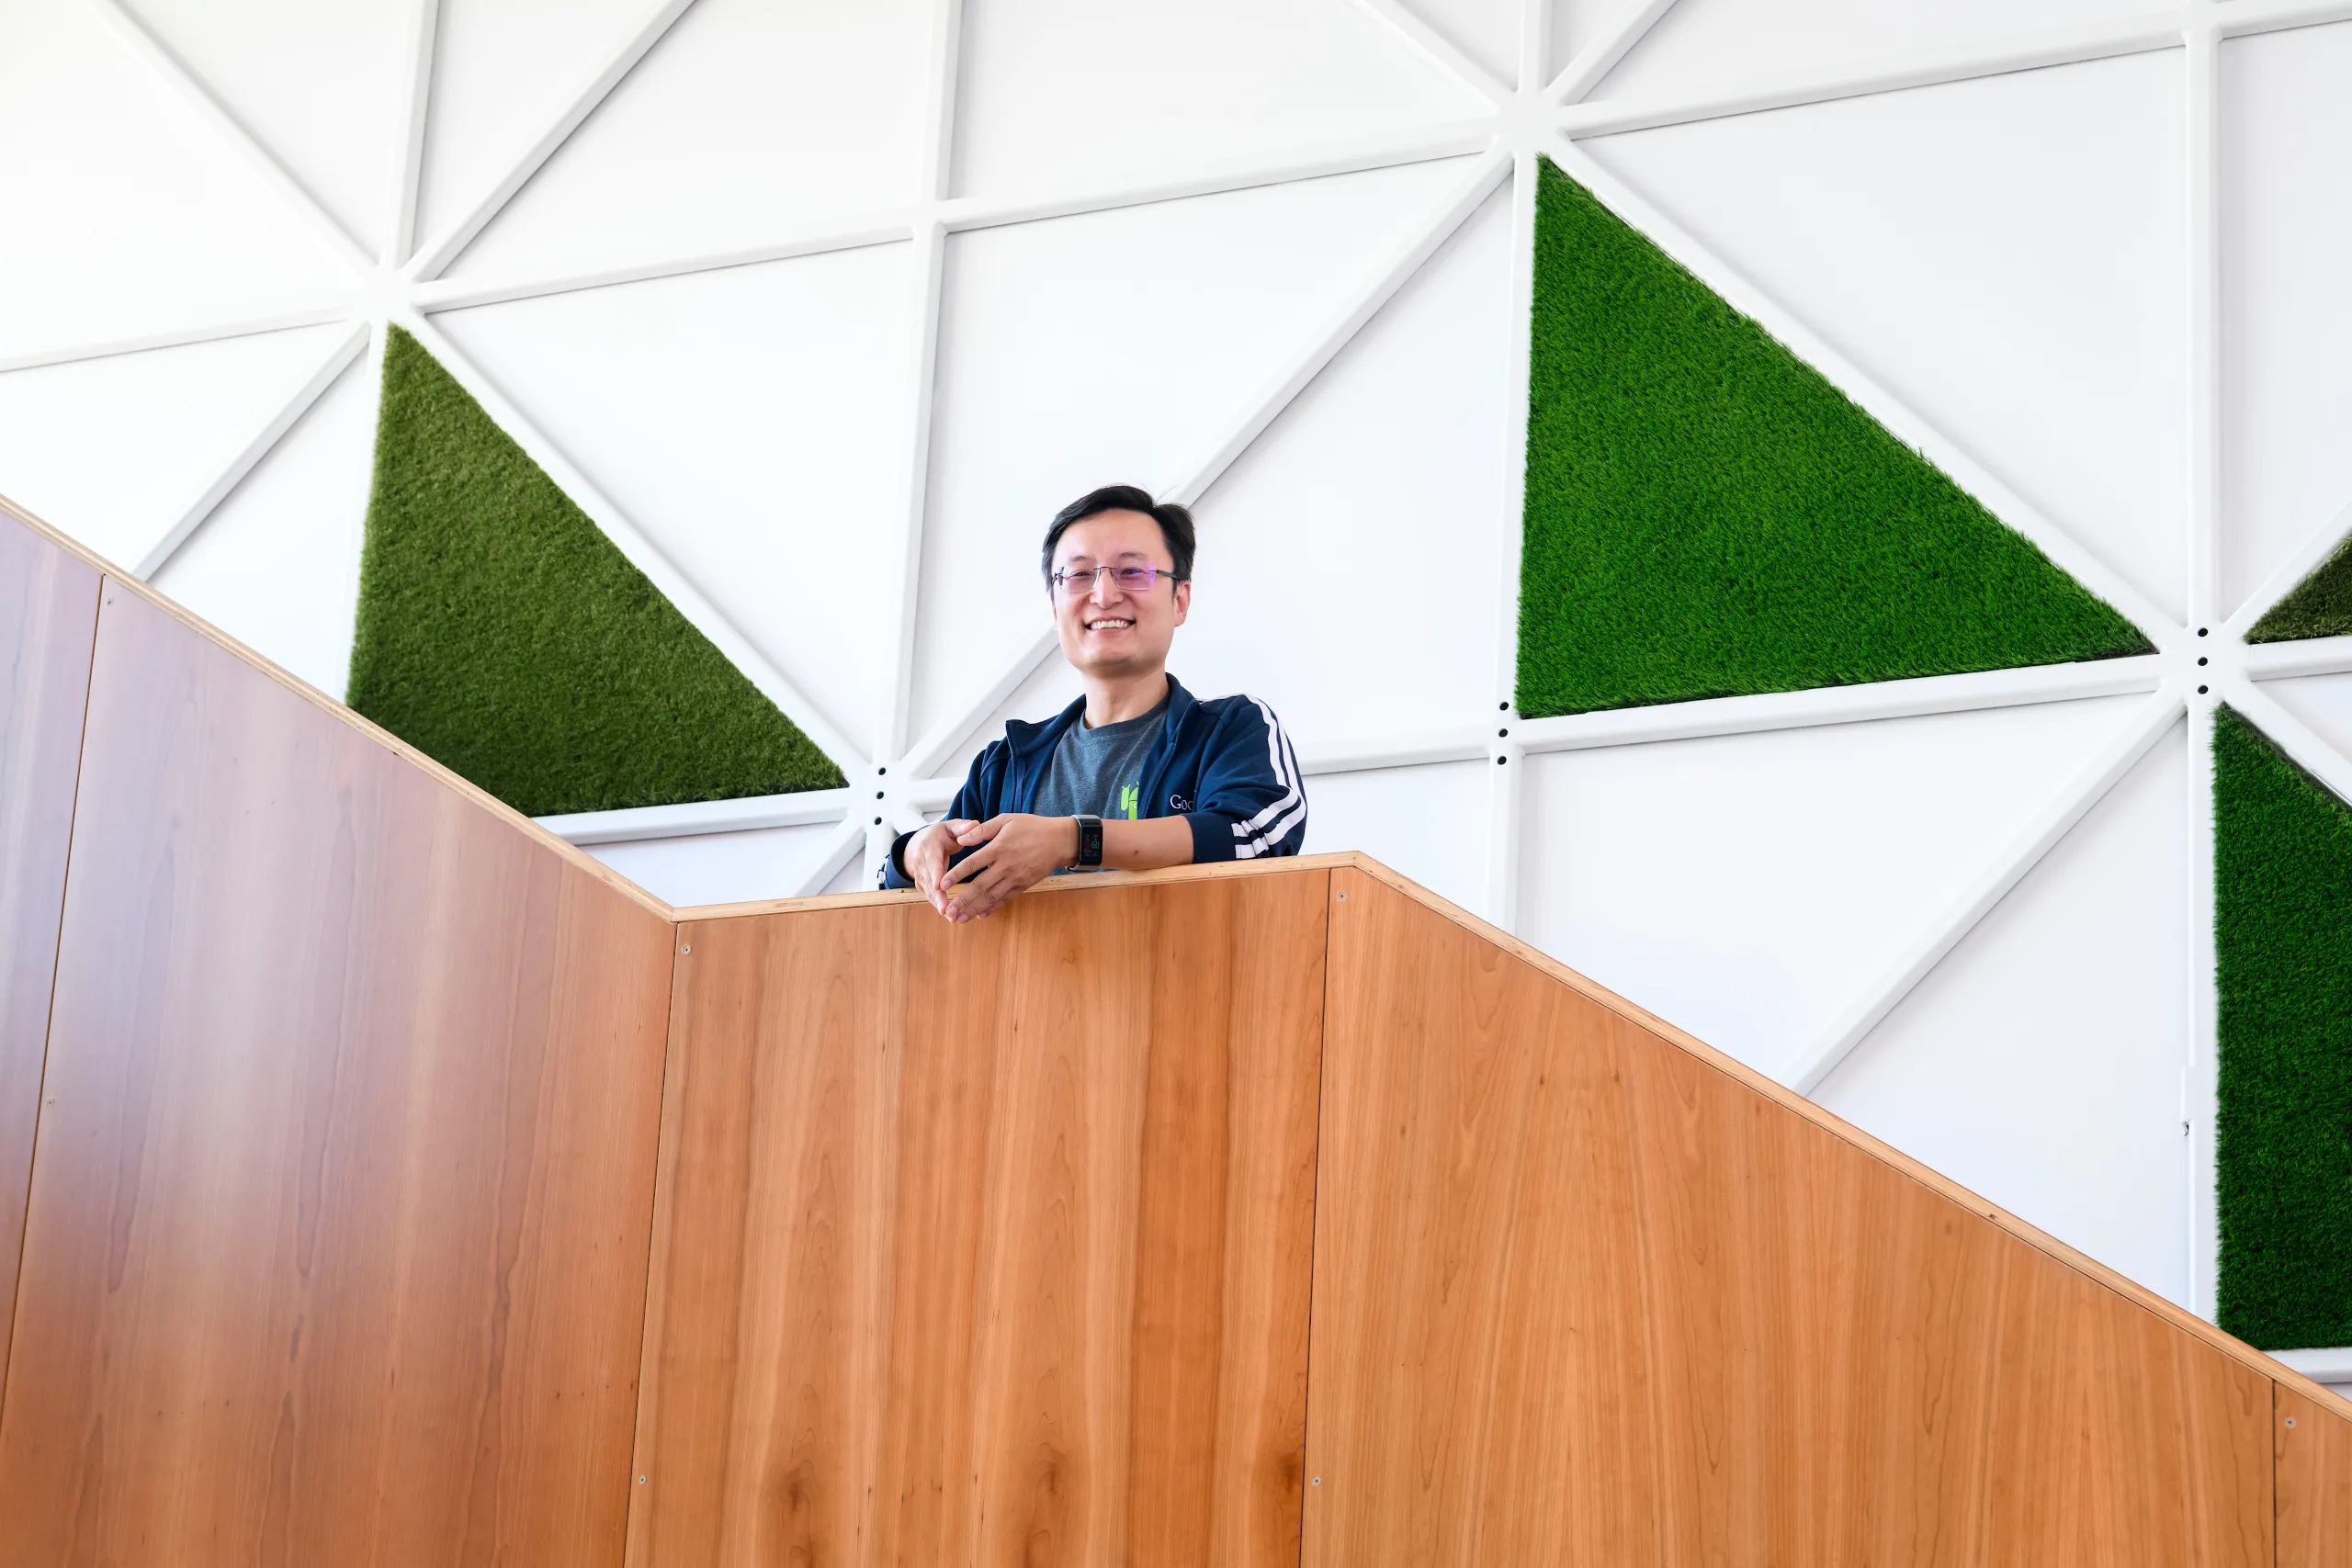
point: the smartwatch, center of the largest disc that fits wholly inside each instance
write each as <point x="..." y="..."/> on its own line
<point x="1090" y="841"/>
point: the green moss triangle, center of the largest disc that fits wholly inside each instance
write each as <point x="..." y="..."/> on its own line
<point x="504" y="635"/>
<point x="1707" y="516"/>
<point x="2282" y="950"/>
<point x="2321" y="604"/>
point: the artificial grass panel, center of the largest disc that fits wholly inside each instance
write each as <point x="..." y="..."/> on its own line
<point x="2282" y="933"/>
<point x="502" y="634"/>
<point x="2321" y="604"/>
<point x="1707" y="516"/>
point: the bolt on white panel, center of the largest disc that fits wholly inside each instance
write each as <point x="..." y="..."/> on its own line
<point x="2040" y="1063"/>
<point x="746" y="419"/>
<point x="2006" y="255"/>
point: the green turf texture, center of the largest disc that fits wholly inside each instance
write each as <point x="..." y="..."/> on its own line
<point x="1707" y="516"/>
<point x="504" y="635"/>
<point x="2320" y="605"/>
<point x="2282" y="936"/>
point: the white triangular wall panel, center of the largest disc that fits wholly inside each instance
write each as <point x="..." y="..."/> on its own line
<point x="2042" y="1063"/>
<point x="277" y="565"/>
<point x="1487" y="31"/>
<point x="750" y="121"/>
<point x="1427" y="823"/>
<point x="2322" y="701"/>
<point x="721" y="868"/>
<point x="1086" y="94"/>
<point x="114" y="451"/>
<point x="326" y="88"/>
<point x="1348" y="561"/>
<point x="129" y="213"/>
<point x="2004" y="256"/>
<point x="2286" y="209"/>
<point x="750" y="423"/>
<point x="503" y="70"/>
<point x="1752" y="888"/>
<point x="1701" y="45"/>
<point x="1579" y="25"/>
<point x="1116" y="348"/>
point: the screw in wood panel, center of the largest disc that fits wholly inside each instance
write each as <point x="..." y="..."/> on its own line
<point x="1343" y="897"/>
<point x="2290" y="1420"/>
<point x="1319" y="1480"/>
<point x="685" y="950"/>
<point x="641" y="1481"/>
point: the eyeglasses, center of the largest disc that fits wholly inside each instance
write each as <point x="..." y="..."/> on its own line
<point x="1078" y="581"/>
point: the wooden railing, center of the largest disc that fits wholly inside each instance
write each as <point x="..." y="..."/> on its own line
<point x="395" y="1186"/>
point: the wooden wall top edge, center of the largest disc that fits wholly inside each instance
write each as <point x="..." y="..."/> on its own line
<point x="759" y="907"/>
<point x="311" y="694"/>
<point x="1780" y="1094"/>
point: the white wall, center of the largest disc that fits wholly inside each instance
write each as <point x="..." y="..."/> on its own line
<point x="821" y="305"/>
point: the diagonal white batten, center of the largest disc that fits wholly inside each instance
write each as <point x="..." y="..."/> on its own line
<point x="436" y="255"/>
<point x="231" y="474"/>
<point x="2085" y="789"/>
<point x="1434" y="47"/>
<point x="2322" y="543"/>
<point x="234" y="131"/>
<point x="1600" y="57"/>
<point x="408" y="176"/>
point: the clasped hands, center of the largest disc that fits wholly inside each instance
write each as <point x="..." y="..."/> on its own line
<point x="1015" y="851"/>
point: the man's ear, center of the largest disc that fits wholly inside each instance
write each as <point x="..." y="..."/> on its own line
<point x="1183" y="601"/>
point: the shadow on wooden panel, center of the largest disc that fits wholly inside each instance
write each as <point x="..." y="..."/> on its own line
<point x="49" y="612"/>
<point x="2314" y="1455"/>
<point x="1584" y="1297"/>
<point x="988" y="1245"/>
<point x="337" y="1234"/>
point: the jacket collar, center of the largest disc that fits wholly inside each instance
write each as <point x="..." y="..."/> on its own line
<point x="1029" y="742"/>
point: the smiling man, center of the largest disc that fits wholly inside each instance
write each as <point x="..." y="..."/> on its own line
<point x="1136" y="774"/>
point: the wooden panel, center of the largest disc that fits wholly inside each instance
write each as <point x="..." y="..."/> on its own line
<point x="2314" y="1450"/>
<point x="49" y="611"/>
<point x="988" y="1245"/>
<point x="339" y="1233"/>
<point x="1584" y="1297"/>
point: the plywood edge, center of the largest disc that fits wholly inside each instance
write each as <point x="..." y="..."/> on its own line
<point x="571" y="853"/>
<point x="2171" y="1311"/>
<point x="1219" y="871"/>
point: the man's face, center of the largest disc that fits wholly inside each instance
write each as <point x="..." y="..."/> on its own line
<point x="1109" y="630"/>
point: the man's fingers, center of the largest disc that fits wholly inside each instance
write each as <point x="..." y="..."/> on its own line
<point x="972" y="834"/>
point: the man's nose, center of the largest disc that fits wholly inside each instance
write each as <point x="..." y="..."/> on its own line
<point x="1105" y="588"/>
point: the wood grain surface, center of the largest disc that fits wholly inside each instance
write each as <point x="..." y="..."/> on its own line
<point x="1583" y="1297"/>
<point x="2315" y="1456"/>
<point x="988" y="1245"/>
<point x="338" y="1229"/>
<point x="49" y="612"/>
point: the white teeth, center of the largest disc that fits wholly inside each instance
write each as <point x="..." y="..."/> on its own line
<point x="1105" y="626"/>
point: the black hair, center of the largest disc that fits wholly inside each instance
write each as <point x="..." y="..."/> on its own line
<point x="1175" y="524"/>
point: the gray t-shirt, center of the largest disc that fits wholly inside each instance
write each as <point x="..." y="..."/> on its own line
<point x="1099" y="772"/>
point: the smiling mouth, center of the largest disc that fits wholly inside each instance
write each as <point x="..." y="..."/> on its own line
<point x="1109" y="623"/>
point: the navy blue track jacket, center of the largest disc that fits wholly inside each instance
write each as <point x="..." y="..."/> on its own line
<point x="1224" y="765"/>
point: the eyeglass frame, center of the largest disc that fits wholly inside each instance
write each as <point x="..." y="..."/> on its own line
<point x="1060" y="579"/>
